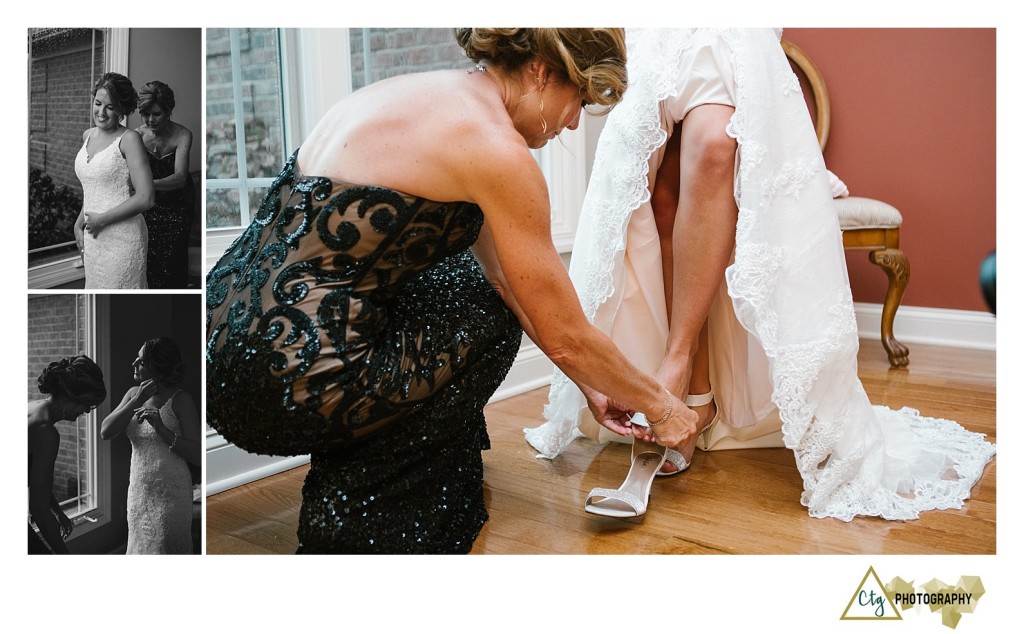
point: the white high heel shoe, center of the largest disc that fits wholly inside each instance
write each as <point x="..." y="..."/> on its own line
<point x="675" y="458"/>
<point x="630" y="499"/>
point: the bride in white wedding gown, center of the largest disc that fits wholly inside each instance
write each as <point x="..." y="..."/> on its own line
<point x="780" y="326"/>
<point x="117" y="186"/>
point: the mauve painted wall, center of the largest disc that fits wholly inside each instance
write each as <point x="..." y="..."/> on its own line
<point x="914" y="124"/>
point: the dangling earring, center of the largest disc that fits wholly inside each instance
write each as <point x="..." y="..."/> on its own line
<point x="543" y="123"/>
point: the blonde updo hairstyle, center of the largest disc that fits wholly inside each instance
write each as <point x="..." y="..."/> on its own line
<point x="593" y="59"/>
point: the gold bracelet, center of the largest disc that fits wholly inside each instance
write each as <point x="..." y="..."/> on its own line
<point x="664" y="418"/>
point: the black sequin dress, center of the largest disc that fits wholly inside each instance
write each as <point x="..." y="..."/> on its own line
<point x="352" y="323"/>
<point x="168" y="221"/>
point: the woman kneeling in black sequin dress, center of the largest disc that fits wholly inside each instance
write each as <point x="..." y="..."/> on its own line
<point x="350" y="320"/>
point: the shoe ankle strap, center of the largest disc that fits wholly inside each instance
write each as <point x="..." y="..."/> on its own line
<point x="696" y="400"/>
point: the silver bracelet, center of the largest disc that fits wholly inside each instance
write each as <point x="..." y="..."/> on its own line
<point x="173" y="442"/>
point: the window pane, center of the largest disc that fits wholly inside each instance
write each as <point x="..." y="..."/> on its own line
<point x="57" y="329"/>
<point x="222" y="209"/>
<point x="221" y="158"/>
<point x="261" y="102"/>
<point x="63" y="65"/>
<point x="256" y="195"/>
<point x="243" y="97"/>
<point x="400" y="51"/>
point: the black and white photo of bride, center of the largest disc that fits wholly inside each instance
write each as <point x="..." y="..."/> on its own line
<point x="112" y="178"/>
<point x="114" y="440"/>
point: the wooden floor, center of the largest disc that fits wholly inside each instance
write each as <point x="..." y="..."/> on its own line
<point x="742" y="501"/>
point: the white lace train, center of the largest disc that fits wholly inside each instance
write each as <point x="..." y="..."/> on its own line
<point x="790" y="324"/>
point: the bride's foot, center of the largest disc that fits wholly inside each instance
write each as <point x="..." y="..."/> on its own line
<point x="679" y="459"/>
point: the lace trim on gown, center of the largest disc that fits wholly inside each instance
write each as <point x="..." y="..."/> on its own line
<point x="618" y="185"/>
<point x="855" y="459"/>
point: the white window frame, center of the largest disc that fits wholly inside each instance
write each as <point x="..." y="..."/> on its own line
<point x="311" y="82"/>
<point x="69" y="269"/>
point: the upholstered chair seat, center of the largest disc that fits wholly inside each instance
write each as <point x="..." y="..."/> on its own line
<point x="856" y="212"/>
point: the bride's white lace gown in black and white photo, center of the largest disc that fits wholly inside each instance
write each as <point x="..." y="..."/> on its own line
<point x="116" y="257"/>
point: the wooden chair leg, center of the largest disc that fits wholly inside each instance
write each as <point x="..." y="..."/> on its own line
<point x="896" y="266"/>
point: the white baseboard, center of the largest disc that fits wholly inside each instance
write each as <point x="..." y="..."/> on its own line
<point x="228" y="466"/>
<point x="932" y="326"/>
<point x="530" y="370"/>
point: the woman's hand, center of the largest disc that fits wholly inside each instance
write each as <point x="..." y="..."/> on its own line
<point x="609" y="414"/>
<point x="146" y="389"/>
<point x="675" y="431"/>
<point x="151" y="415"/>
<point x="94" y="223"/>
<point x="79" y="236"/>
<point x="65" y="523"/>
<point x="127" y="412"/>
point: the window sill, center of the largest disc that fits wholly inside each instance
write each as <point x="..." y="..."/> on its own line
<point x="52" y="274"/>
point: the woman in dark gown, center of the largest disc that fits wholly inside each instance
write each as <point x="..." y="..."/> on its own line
<point x="169" y="219"/>
<point x="350" y="320"/>
<point x="73" y="386"/>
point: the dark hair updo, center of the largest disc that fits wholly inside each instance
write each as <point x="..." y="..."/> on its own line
<point x="156" y="93"/>
<point x="120" y="90"/>
<point x="162" y="358"/>
<point x="593" y="59"/>
<point x="76" y="378"/>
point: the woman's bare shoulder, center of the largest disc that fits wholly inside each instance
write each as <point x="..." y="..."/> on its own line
<point x="182" y="135"/>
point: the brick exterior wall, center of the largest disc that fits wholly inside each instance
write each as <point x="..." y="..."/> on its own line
<point x="401" y="51"/>
<point x="261" y="103"/>
<point x="56" y="330"/>
<point x="60" y="88"/>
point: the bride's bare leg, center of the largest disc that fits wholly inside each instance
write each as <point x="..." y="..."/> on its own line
<point x="695" y="213"/>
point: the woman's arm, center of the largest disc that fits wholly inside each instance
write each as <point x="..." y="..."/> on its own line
<point x="485" y="254"/>
<point x="45" y="442"/>
<point x="116" y="421"/>
<point x="65" y="523"/>
<point x="187" y="443"/>
<point x="78" y="228"/>
<point x="142" y="181"/>
<point x="603" y="411"/>
<point x="509" y="187"/>
<point x="181" y="161"/>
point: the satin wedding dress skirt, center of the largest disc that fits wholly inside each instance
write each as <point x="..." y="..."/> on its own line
<point x="782" y="330"/>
